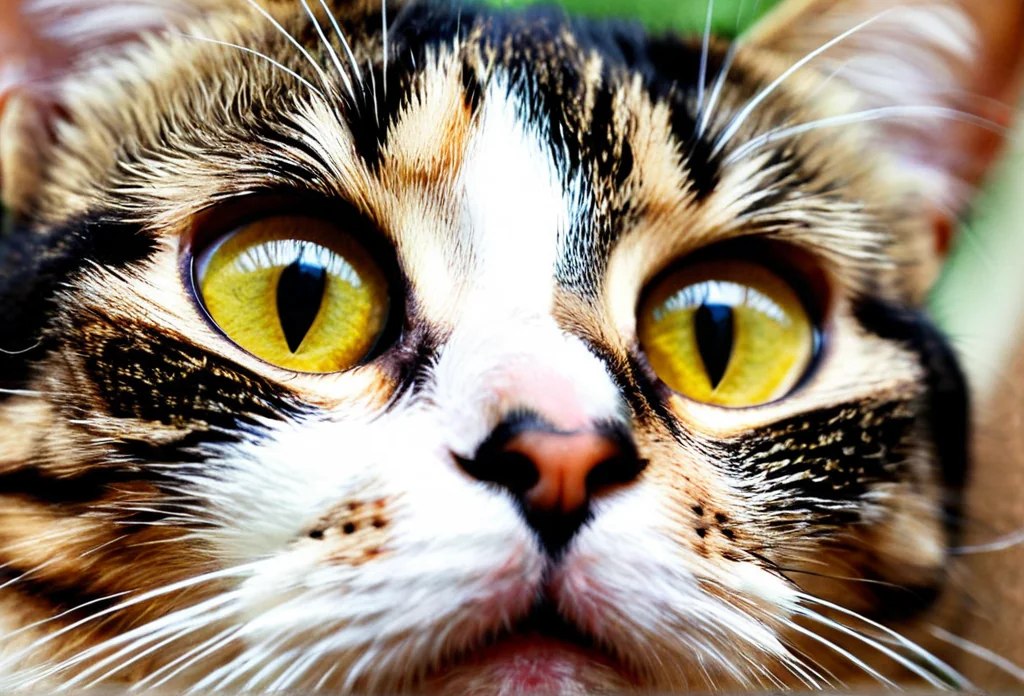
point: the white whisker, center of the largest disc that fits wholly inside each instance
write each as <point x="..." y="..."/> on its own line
<point x="268" y="670"/>
<point x="707" y="114"/>
<point x="173" y="633"/>
<point x="1004" y="543"/>
<point x="168" y="671"/>
<point x="265" y="57"/>
<point x="706" y="48"/>
<point x="978" y="651"/>
<point x="61" y="615"/>
<point x="902" y="640"/>
<point x="344" y="42"/>
<point x="879" y="114"/>
<point x="294" y="673"/>
<point x="384" y="34"/>
<point x="373" y="89"/>
<point x="23" y="392"/>
<point x="234" y="572"/>
<point x="929" y="677"/>
<point x="284" y="32"/>
<point x="840" y="651"/>
<point x="222" y="677"/>
<point x="137" y="637"/>
<point x="208" y="649"/>
<point x="744" y="114"/>
<point x="330" y="49"/>
<point x="323" y="680"/>
<point x="23" y="350"/>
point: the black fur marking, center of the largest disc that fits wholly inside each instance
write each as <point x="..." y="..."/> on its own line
<point x="821" y="464"/>
<point x="148" y="375"/>
<point x="947" y="407"/>
<point x="35" y="265"/>
<point x="86" y="487"/>
<point x="188" y="449"/>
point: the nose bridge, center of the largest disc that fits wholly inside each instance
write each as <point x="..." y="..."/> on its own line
<point x="500" y="365"/>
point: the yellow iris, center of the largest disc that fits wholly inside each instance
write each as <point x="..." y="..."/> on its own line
<point x="726" y="332"/>
<point x="297" y="292"/>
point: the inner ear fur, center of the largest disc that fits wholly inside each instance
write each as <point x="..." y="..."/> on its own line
<point x="955" y="55"/>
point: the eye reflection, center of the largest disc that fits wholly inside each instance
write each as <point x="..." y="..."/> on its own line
<point x="726" y="332"/>
<point x="295" y="291"/>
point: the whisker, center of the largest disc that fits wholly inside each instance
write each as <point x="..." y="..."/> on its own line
<point x="344" y="42"/>
<point x="294" y="673"/>
<point x="706" y="48"/>
<point x="804" y="675"/>
<point x="792" y="625"/>
<point x="978" y="651"/>
<point x="309" y="85"/>
<point x="234" y="572"/>
<point x="206" y="652"/>
<point x="740" y="7"/>
<point x="323" y="680"/>
<point x="136" y="638"/>
<point x="23" y="350"/>
<point x="62" y="614"/>
<point x="284" y="32"/>
<point x="268" y="669"/>
<point x="373" y="90"/>
<point x="1005" y="543"/>
<point x="330" y="49"/>
<point x="384" y="36"/>
<point x="162" y="671"/>
<point x="103" y="545"/>
<point x="841" y="578"/>
<point x="706" y="115"/>
<point x="902" y="640"/>
<point x="173" y="632"/>
<point x="23" y="392"/>
<point x="237" y="667"/>
<point x="745" y="112"/>
<point x="879" y="114"/>
<point x="928" y="676"/>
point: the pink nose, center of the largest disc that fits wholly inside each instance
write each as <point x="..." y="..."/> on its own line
<point x="563" y="462"/>
<point x="553" y="473"/>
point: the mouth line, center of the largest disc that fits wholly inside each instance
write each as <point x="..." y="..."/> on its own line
<point x="542" y="635"/>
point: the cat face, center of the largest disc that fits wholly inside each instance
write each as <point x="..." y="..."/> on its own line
<point x="494" y="351"/>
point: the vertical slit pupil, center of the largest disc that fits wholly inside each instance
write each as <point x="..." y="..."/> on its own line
<point x="715" y="335"/>
<point x="300" y="292"/>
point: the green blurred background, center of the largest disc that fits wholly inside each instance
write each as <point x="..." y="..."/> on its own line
<point x="980" y="299"/>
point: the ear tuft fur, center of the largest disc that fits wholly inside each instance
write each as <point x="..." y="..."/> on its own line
<point x="41" y="42"/>
<point x="952" y="69"/>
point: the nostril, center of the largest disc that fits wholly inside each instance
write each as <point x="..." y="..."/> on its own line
<point x="615" y="471"/>
<point x="510" y="470"/>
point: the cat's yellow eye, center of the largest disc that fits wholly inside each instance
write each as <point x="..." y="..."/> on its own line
<point x="727" y="332"/>
<point x="297" y="292"/>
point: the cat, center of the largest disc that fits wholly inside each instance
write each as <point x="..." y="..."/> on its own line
<point x="443" y="348"/>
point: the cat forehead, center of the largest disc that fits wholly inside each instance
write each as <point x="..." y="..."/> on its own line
<point x="593" y="133"/>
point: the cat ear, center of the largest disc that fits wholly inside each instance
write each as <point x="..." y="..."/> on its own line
<point x="41" y="42"/>
<point x="943" y="76"/>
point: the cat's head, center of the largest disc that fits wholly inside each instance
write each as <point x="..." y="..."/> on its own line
<point x="333" y="353"/>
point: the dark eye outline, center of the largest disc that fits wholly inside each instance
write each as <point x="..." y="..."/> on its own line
<point x="219" y="221"/>
<point x="797" y="267"/>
